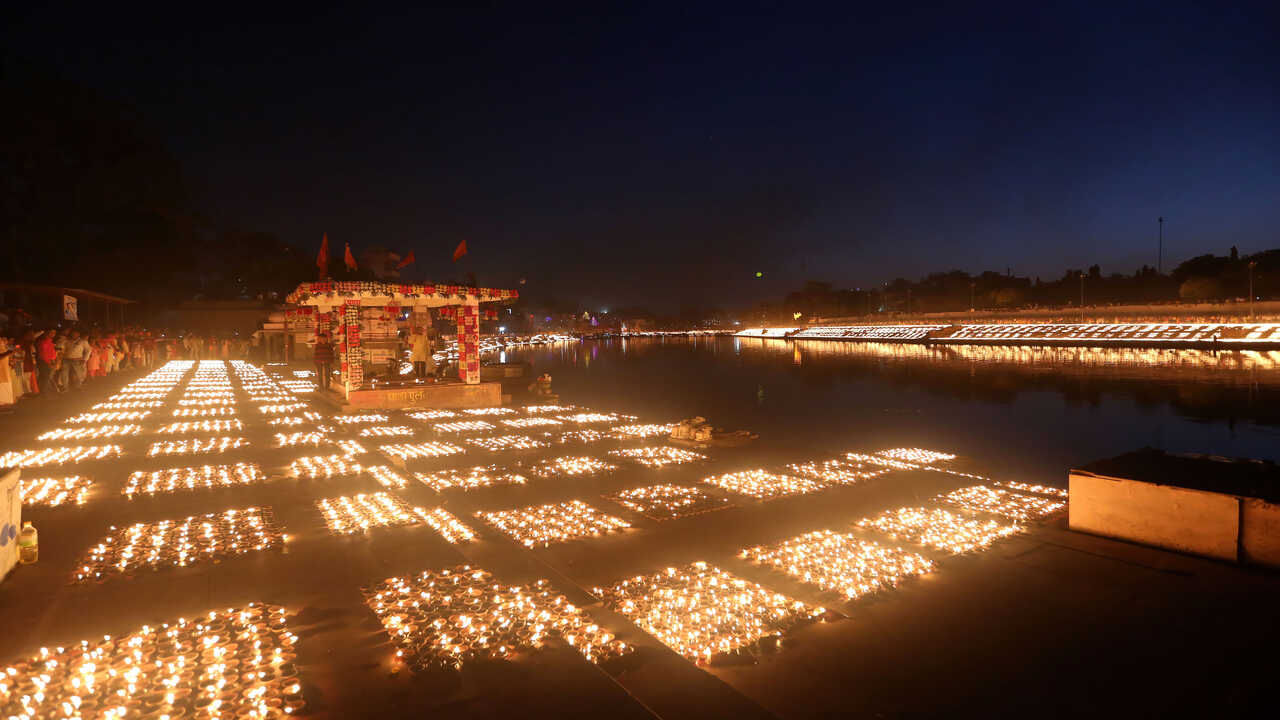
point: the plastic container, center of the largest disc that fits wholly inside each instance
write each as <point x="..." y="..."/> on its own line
<point x="28" y="544"/>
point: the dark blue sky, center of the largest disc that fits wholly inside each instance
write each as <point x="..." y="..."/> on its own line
<point x="668" y="153"/>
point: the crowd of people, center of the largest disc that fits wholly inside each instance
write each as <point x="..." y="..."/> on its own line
<point x="36" y="362"/>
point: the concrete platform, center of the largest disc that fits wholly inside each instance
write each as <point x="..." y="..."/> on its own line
<point x="448" y="395"/>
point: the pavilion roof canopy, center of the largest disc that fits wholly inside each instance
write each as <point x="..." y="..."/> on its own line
<point x="330" y="293"/>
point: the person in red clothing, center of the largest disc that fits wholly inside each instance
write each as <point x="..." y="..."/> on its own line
<point x="324" y="359"/>
<point x="46" y="356"/>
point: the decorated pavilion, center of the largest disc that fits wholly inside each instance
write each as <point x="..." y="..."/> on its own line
<point x="340" y="308"/>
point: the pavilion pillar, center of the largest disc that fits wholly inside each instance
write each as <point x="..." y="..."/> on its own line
<point x="469" y="342"/>
<point x="352" y="356"/>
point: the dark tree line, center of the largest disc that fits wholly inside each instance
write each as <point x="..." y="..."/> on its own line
<point x="1204" y="278"/>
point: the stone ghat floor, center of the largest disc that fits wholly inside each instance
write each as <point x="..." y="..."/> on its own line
<point x="1046" y="621"/>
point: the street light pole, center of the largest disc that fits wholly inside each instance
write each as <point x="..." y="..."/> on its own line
<point x="1252" y="264"/>
<point x="1081" y="297"/>
<point x="971" y="285"/>
<point x="1160" y="247"/>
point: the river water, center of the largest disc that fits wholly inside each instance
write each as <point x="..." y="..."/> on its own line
<point x="1021" y="411"/>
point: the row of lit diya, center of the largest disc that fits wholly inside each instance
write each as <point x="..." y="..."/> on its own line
<point x="445" y="618"/>
<point x="553" y="523"/>
<point x="200" y="426"/>
<point x="840" y="562"/>
<point x="1016" y="506"/>
<point x="665" y="502"/>
<point x="236" y="663"/>
<point x="59" y="455"/>
<point x="196" y="446"/>
<point x="940" y="529"/>
<point x="179" y="542"/>
<point x="702" y="612"/>
<point x="52" y="492"/>
<point x="202" y="477"/>
<point x="817" y="476"/>
<point x="90" y="433"/>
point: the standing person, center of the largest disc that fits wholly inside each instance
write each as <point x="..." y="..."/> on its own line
<point x="74" y="357"/>
<point x="9" y="390"/>
<point x="122" y="345"/>
<point x="93" y="360"/>
<point x="46" y="356"/>
<point x="60" y="366"/>
<point x="420" y="354"/>
<point x="324" y="359"/>
<point x="30" y="362"/>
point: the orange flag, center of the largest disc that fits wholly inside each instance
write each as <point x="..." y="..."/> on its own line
<point x="348" y="258"/>
<point x="460" y="251"/>
<point x="408" y="260"/>
<point x="322" y="260"/>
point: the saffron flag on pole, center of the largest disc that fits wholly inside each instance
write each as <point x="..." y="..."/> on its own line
<point x="408" y="260"/>
<point x="460" y="251"/>
<point x="322" y="260"/>
<point x="348" y="258"/>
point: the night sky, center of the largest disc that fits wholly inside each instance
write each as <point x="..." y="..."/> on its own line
<point x="666" y="154"/>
